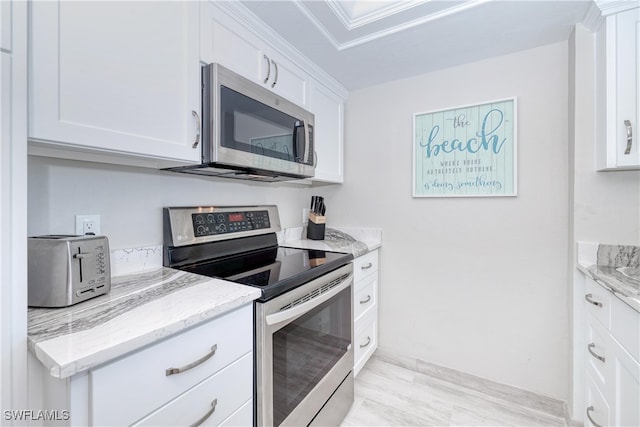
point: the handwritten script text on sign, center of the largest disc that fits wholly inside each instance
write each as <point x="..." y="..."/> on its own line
<point x="488" y="139"/>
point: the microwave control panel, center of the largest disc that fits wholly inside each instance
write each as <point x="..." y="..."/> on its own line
<point x="215" y="223"/>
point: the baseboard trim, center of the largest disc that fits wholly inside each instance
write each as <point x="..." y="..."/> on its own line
<point x="524" y="398"/>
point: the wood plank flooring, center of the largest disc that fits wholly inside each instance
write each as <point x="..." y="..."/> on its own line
<point x="387" y="394"/>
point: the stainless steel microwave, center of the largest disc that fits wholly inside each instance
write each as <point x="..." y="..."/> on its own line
<point x="250" y="132"/>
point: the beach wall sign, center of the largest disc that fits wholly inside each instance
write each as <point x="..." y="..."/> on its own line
<point x="467" y="151"/>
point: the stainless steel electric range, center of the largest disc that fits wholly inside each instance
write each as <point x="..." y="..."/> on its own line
<point x="303" y="353"/>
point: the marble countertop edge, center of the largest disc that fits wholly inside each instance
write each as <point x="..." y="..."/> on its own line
<point x="80" y="350"/>
<point x="607" y="283"/>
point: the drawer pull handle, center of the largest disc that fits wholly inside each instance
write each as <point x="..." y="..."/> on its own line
<point x="364" y="301"/>
<point x="597" y="356"/>
<point x="589" y="409"/>
<point x="627" y="125"/>
<point x="172" y="371"/>
<point x="366" y="266"/>
<point x="207" y="415"/>
<point x="588" y="298"/>
<point x="368" y="342"/>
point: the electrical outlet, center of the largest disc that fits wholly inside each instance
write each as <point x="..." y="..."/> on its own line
<point x="87" y="224"/>
<point x="305" y="216"/>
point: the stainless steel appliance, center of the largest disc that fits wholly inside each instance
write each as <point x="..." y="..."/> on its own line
<point x="65" y="270"/>
<point x="303" y="320"/>
<point x="250" y="132"/>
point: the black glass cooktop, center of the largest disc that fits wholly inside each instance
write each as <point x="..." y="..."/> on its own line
<point x="274" y="270"/>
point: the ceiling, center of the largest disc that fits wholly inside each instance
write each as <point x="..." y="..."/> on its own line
<point x="364" y="43"/>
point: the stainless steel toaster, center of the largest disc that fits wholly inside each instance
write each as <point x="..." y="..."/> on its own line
<point x="65" y="270"/>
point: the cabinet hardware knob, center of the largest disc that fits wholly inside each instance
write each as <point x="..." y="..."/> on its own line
<point x="275" y="79"/>
<point x="364" y="301"/>
<point x="266" y="79"/>
<point x="597" y="356"/>
<point x="173" y="371"/>
<point x="588" y="298"/>
<point x="368" y="342"/>
<point x="197" y="117"/>
<point x="366" y="266"/>
<point x="207" y="415"/>
<point x="627" y="124"/>
<point x="595" y="424"/>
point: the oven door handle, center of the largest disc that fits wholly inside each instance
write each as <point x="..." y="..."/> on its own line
<point x="286" y="316"/>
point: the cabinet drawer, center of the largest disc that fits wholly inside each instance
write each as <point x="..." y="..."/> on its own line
<point x="365" y="295"/>
<point x="597" y="348"/>
<point x="143" y="374"/>
<point x="365" y="339"/>
<point x="242" y="417"/>
<point x="596" y="407"/>
<point x="365" y="265"/>
<point x="598" y="302"/>
<point x="625" y="327"/>
<point x="229" y="389"/>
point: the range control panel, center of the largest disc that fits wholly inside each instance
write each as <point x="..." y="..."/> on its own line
<point x="215" y="223"/>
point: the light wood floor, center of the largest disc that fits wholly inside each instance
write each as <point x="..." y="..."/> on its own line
<point x="389" y="395"/>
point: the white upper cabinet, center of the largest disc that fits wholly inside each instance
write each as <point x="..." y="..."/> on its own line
<point x="227" y="42"/>
<point x="118" y="79"/>
<point x="328" y="109"/>
<point x="5" y="25"/>
<point x="618" y="96"/>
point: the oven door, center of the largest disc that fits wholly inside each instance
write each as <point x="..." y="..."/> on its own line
<point x="304" y="349"/>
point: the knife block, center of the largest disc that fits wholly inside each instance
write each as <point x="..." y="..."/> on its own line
<point x="315" y="227"/>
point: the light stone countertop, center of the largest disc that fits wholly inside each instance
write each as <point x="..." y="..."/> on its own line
<point x="140" y="309"/>
<point x="614" y="267"/>
<point x="357" y="241"/>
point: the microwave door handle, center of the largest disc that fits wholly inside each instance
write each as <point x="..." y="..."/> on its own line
<point x="296" y="150"/>
<point x="307" y="148"/>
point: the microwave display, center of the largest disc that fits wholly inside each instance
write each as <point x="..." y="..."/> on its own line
<point x="251" y="126"/>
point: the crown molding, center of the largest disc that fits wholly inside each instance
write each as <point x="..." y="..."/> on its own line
<point x="593" y="18"/>
<point x="342" y="46"/>
<point x="609" y="7"/>
<point x="351" y="23"/>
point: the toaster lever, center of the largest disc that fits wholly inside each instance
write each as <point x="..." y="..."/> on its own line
<point x="80" y="256"/>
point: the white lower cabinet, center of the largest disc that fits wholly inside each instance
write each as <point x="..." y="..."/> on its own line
<point x="210" y="402"/>
<point x="365" y="308"/>
<point x="201" y="376"/>
<point x="612" y="369"/>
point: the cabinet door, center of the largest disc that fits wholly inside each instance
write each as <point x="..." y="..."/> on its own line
<point x="224" y="41"/>
<point x="116" y="77"/>
<point x="627" y="52"/>
<point x="287" y="79"/>
<point x="5" y="25"/>
<point x="624" y="387"/>
<point x="328" y="109"/>
<point x="229" y="43"/>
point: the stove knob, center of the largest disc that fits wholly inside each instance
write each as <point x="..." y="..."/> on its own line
<point x="220" y="218"/>
<point x="222" y="228"/>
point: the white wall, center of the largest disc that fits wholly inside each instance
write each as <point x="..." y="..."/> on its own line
<point x="130" y="200"/>
<point x="475" y="284"/>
